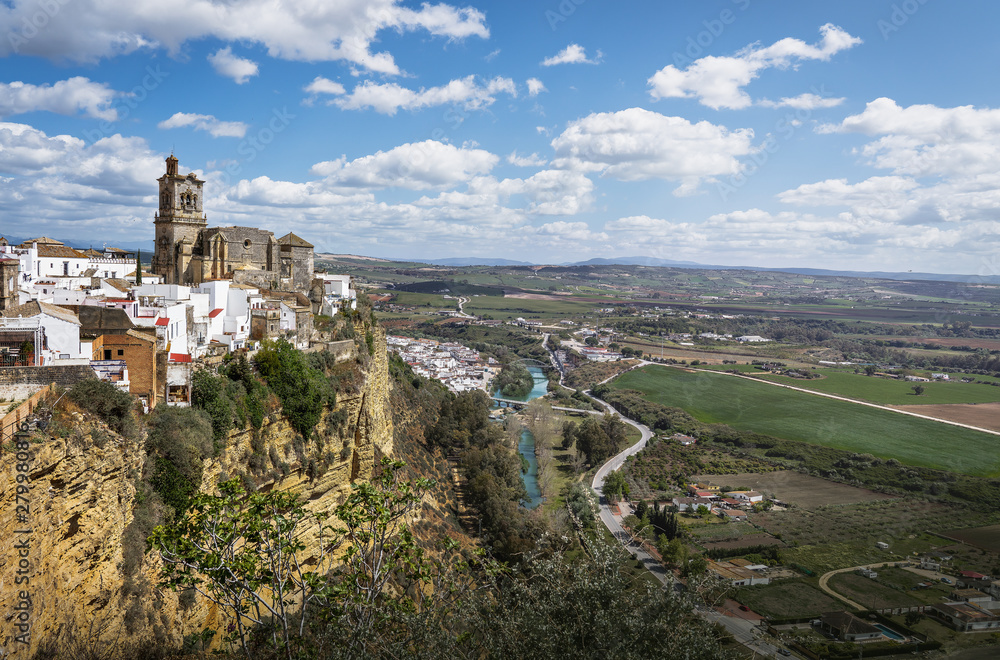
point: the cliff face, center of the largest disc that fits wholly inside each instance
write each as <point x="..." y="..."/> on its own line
<point x="81" y="499"/>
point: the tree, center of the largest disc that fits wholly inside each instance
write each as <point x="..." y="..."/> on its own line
<point x="615" y="485"/>
<point x="243" y="552"/>
<point x="869" y="370"/>
<point x="672" y="551"/>
<point x="303" y="390"/>
<point x="582" y="609"/>
<point x="918" y="389"/>
<point x="138" y="267"/>
<point x="695" y="565"/>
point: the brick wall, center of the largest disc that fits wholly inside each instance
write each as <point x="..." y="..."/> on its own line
<point x="140" y="358"/>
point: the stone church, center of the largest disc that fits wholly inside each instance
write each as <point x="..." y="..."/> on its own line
<point x="189" y="252"/>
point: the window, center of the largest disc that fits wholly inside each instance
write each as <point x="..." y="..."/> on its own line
<point x="121" y="352"/>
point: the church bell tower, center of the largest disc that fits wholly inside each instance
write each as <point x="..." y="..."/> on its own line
<point x="178" y="224"/>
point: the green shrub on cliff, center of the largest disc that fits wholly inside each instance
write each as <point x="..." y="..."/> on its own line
<point x="178" y="442"/>
<point x="303" y="389"/>
<point x="111" y="404"/>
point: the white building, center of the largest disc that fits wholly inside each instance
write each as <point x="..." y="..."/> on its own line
<point x="62" y="329"/>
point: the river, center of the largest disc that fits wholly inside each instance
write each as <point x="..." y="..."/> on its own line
<point x="526" y="447"/>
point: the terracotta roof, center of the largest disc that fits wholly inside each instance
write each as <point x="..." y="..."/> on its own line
<point x="163" y="320"/>
<point x="294" y="241"/>
<point x="120" y="284"/>
<point x="44" y="240"/>
<point x="138" y="334"/>
<point x="34" y="308"/>
<point x="60" y="251"/>
<point x="179" y="357"/>
<point x="214" y="313"/>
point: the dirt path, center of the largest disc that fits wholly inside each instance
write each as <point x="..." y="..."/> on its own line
<point x="825" y="578"/>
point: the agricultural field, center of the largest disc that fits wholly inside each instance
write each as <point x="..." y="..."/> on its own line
<point x="550" y="307"/>
<point x="986" y="538"/>
<point x="869" y="522"/>
<point x="744" y="404"/>
<point x="870" y="593"/>
<point x="799" y="490"/>
<point x="983" y="415"/>
<point x="787" y="599"/>
<point x="900" y="579"/>
<point x="886" y="391"/>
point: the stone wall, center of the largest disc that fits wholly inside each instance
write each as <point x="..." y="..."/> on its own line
<point x="20" y="382"/>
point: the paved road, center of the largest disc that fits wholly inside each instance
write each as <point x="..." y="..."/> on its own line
<point x="745" y="632"/>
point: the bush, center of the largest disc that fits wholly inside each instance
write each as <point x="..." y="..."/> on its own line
<point x="108" y="402"/>
<point x="303" y="389"/>
<point x="179" y="441"/>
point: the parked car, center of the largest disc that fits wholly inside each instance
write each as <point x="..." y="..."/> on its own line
<point x="946" y="580"/>
<point x="784" y="651"/>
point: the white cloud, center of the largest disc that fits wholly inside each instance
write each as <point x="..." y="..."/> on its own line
<point x="388" y="98"/>
<point x="558" y="192"/>
<point x="637" y="144"/>
<point x="925" y="140"/>
<point x="321" y="85"/>
<point x="66" y="97"/>
<point x="534" y="160"/>
<point x="718" y="82"/>
<point x="572" y="54"/>
<point x="416" y="166"/>
<point x="89" y="30"/>
<point x="535" y="87"/>
<point x="803" y="102"/>
<point x="231" y="66"/>
<point x="206" y="123"/>
<point x="568" y="232"/>
<point x="65" y="187"/>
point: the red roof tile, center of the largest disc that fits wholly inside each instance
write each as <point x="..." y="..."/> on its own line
<point x="215" y="312"/>
<point x="179" y="357"/>
<point x="163" y="320"/>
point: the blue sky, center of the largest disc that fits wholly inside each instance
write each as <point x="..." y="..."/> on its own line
<point x="856" y="134"/>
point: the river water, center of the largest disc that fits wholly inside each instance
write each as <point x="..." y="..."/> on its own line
<point x="526" y="447"/>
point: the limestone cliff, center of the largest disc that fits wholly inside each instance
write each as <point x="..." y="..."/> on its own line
<point x="82" y="496"/>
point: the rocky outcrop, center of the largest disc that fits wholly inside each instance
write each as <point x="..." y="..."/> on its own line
<point x="82" y="494"/>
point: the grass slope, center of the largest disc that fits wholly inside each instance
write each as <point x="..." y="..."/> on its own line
<point x="893" y="392"/>
<point x="763" y="408"/>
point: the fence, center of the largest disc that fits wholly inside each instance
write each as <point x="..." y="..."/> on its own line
<point x="10" y="423"/>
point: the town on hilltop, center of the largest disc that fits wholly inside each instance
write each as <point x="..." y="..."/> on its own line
<point x="73" y="313"/>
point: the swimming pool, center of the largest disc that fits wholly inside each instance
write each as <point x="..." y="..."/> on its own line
<point x="890" y="633"/>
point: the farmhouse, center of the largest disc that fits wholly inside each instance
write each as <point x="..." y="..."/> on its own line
<point x="970" y="596"/>
<point x="739" y="572"/>
<point x="750" y="496"/>
<point x="692" y="503"/>
<point x="964" y="617"/>
<point x="685" y="440"/>
<point x="847" y="627"/>
<point x="732" y="514"/>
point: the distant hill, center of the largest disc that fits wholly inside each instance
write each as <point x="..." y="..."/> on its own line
<point x="146" y="246"/>
<point x="819" y="272"/>
<point x="459" y="262"/>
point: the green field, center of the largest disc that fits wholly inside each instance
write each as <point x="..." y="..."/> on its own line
<point x="891" y="392"/>
<point x="513" y="307"/>
<point x="787" y="599"/>
<point x="748" y="405"/>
